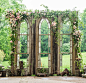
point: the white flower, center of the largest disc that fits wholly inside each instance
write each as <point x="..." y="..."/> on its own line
<point x="74" y="27"/>
<point x="79" y="31"/>
<point x="24" y="12"/>
<point x="76" y="32"/>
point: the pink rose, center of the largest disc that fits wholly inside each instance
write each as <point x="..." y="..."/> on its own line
<point x="11" y="41"/>
<point x="18" y="17"/>
<point x="79" y="36"/>
<point x="74" y="34"/>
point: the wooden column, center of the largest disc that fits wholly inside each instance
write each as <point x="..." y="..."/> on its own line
<point x="58" y="54"/>
<point x="30" y="47"/>
<point x="37" y="44"/>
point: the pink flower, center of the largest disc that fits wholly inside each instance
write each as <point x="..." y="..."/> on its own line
<point x="15" y="19"/>
<point x="11" y="41"/>
<point x="13" y="16"/>
<point x="18" y="17"/>
<point x="77" y="38"/>
<point x="17" y="14"/>
<point x="13" y="47"/>
<point x="79" y="31"/>
<point x="74" y="34"/>
<point x="53" y="23"/>
<point x="33" y="11"/>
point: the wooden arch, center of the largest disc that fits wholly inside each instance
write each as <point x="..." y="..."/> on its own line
<point x="55" y="58"/>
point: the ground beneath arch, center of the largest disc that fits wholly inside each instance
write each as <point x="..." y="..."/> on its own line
<point x="50" y="79"/>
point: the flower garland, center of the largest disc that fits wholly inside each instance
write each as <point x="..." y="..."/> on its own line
<point x="77" y="39"/>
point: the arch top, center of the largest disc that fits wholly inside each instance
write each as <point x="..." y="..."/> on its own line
<point x="42" y="19"/>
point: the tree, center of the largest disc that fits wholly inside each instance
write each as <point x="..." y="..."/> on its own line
<point x="83" y="19"/>
<point x="5" y="31"/>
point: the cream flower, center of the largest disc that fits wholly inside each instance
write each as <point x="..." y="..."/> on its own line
<point x="53" y="23"/>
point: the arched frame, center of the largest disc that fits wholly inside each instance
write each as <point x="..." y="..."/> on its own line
<point x="28" y="44"/>
<point x="39" y="21"/>
<point x="54" y="61"/>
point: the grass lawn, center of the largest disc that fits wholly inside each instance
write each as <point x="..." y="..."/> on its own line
<point x="44" y="61"/>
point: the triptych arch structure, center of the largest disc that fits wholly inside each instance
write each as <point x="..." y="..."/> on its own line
<point x="34" y="45"/>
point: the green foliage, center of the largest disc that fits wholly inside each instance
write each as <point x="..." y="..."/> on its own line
<point x="83" y="19"/>
<point x="33" y="75"/>
<point x="66" y="47"/>
<point x="2" y="55"/>
<point x="5" y="29"/>
<point x="1" y="68"/>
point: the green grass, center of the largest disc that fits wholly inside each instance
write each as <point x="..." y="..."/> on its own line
<point x="84" y="57"/>
<point x="5" y="63"/>
<point x="44" y="61"/>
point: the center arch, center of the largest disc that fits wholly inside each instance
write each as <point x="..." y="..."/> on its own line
<point x="48" y="40"/>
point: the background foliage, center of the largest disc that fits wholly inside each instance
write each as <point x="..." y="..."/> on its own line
<point x="4" y="24"/>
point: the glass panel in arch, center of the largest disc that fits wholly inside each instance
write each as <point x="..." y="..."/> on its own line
<point x="23" y="43"/>
<point x="23" y="57"/>
<point x="23" y="27"/>
<point x="65" y="61"/>
<point x="44" y="43"/>
<point x="44" y="60"/>
<point x="44" y="28"/>
<point x="65" y="43"/>
<point x="66" y="28"/>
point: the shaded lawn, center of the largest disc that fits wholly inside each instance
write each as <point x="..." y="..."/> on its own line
<point x="44" y="61"/>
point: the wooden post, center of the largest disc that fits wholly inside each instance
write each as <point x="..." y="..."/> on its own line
<point x="58" y="58"/>
<point x="37" y="44"/>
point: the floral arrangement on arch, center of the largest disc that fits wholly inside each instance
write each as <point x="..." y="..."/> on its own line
<point x="77" y="39"/>
<point x="14" y="17"/>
